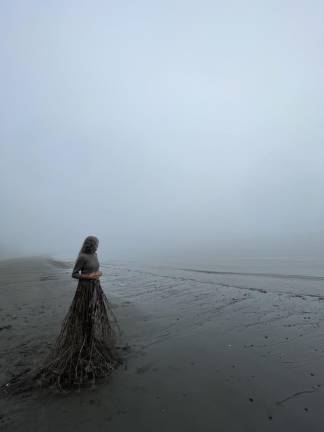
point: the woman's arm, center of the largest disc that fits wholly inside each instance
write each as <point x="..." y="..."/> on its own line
<point x="78" y="266"/>
<point x="91" y="276"/>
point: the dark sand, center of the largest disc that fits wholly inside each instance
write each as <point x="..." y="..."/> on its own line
<point x="208" y="351"/>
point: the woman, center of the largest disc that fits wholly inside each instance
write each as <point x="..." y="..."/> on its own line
<point x="85" y="349"/>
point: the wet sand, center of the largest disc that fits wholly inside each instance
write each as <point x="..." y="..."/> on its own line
<point x="207" y="351"/>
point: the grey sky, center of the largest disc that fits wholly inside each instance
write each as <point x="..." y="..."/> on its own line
<point x="161" y="126"/>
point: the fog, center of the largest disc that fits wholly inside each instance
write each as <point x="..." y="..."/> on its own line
<point x="167" y="128"/>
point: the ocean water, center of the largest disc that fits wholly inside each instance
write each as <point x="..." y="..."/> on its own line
<point x="278" y="266"/>
<point x="285" y="275"/>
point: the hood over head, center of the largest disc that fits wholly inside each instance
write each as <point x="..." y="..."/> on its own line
<point x="90" y="245"/>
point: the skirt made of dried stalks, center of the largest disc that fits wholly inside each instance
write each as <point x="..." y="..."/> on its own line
<point x="84" y="351"/>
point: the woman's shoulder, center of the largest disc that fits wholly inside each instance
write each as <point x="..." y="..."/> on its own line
<point x="83" y="256"/>
<point x="87" y="257"/>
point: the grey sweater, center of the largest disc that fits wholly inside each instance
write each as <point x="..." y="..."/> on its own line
<point x="85" y="263"/>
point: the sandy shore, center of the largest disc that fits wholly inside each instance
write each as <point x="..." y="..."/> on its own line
<point x="208" y="351"/>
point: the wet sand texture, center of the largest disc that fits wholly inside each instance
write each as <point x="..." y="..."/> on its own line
<point x="203" y="351"/>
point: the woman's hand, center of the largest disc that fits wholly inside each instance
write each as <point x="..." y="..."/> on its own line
<point x="95" y="275"/>
<point x="98" y="274"/>
<point x="92" y="276"/>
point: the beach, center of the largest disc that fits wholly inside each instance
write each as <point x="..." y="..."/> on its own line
<point x="204" y="350"/>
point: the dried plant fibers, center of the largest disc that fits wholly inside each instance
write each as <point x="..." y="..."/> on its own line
<point x="86" y="348"/>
